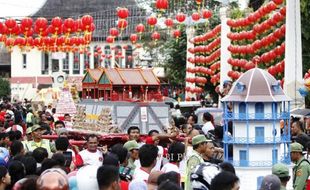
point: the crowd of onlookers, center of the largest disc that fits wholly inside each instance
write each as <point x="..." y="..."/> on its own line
<point x="187" y="156"/>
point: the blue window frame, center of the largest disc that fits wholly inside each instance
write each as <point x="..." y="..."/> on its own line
<point x="274" y="109"/>
<point x="259" y="134"/>
<point x="243" y="158"/>
<point x="259" y="110"/>
<point x="242" y="110"/>
<point x="274" y="156"/>
<point x="259" y="181"/>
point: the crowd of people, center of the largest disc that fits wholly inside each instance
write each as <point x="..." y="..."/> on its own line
<point x="187" y="156"/>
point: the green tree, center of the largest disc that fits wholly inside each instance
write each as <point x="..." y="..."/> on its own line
<point x="5" y="89"/>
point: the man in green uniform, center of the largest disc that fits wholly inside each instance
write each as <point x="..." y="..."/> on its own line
<point x="133" y="148"/>
<point x="199" y="143"/>
<point x="301" y="170"/>
<point x="282" y="171"/>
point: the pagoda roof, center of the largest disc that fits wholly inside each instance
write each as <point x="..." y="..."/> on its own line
<point x="256" y="85"/>
<point x="118" y="76"/>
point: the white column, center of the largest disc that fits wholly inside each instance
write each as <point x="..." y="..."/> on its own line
<point x="190" y="32"/>
<point x="70" y="61"/>
<point x="82" y="64"/>
<point x="225" y="42"/>
<point x="91" y="58"/>
<point x="293" y="54"/>
<point x="61" y="62"/>
<point x="112" y="58"/>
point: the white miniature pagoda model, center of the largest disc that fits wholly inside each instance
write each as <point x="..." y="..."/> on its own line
<point x="252" y="113"/>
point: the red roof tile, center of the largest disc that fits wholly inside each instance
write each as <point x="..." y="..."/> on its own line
<point x="132" y="76"/>
<point x="114" y="76"/>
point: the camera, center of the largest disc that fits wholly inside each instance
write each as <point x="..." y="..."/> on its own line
<point x="124" y="174"/>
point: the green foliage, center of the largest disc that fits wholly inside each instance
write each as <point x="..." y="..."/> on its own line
<point x="175" y="59"/>
<point x="5" y="89"/>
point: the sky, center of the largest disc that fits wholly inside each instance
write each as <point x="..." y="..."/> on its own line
<point x="19" y="8"/>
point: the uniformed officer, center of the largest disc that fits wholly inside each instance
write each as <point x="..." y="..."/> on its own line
<point x="282" y="171"/>
<point x="199" y="143"/>
<point x="301" y="170"/>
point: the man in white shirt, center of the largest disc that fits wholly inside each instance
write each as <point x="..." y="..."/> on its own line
<point x="147" y="155"/>
<point x="92" y="156"/>
<point x="208" y="123"/>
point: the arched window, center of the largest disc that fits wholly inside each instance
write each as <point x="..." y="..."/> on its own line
<point x="129" y="58"/>
<point x="242" y="110"/>
<point x="107" y="60"/>
<point x="259" y="110"/>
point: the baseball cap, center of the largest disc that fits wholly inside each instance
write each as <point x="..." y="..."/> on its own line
<point x="296" y="147"/>
<point x="36" y="127"/>
<point x="130" y="145"/>
<point x="29" y="130"/>
<point x="280" y="170"/>
<point x="199" y="139"/>
<point x="270" y="182"/>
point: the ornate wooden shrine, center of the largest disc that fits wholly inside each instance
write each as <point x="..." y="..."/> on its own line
<point x="116" y="84"/>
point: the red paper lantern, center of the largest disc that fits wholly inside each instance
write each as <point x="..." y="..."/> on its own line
<point x="198" y="2"/>
<point x="10" y="23"/>
<point x="110" y="39"/>
<point x="206" y="13"/>
<point x="41" y="24"/>
<point x="122" y="24"/>
<point x="155" y="36"/>
<point x="195" y="16"/>
<point x="56" y="22"/>
<point x="162" y="4"/>
<point x="180" y="17"/>
<point x="26" y="24"/>
<point x="140" y="28"/>
<point x="152" y="20"/>
<point x="122" y="13"/>
<point x="278" y="2"/>
<point x="68" y="25"/>
<point x="133" y="38"/>
<point x="114" y="32"/>
<point x="176" y="33"/>
<point x="87" y="21"/>
<point x="169" y="22"/>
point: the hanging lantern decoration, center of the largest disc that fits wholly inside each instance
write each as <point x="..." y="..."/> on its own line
<point x="122" y="12"/>
<point x="40" y="25"/>
<point x="180" y="17"/>
<point x="152" y="21"/>
<point x="206" y="14"/>
<point x="10" y="25"/>
<point x="87" y="22"/>
<point x="162" y="5"/>
<point x="122" y="24"/>
<point x="133" y="38"/>
<point x="113" y="32"/>
<point x="56" y="26"/>
<point x="26" y="26"/>
<point x="176" y="34"/>
<point x="155" y="36"/>
<point x="110" y="39"/>
<point x="140" y="28"/>
<point x="195" y="16"/>
<point x="169" y="22"/>
<point x="68" y="26"/>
